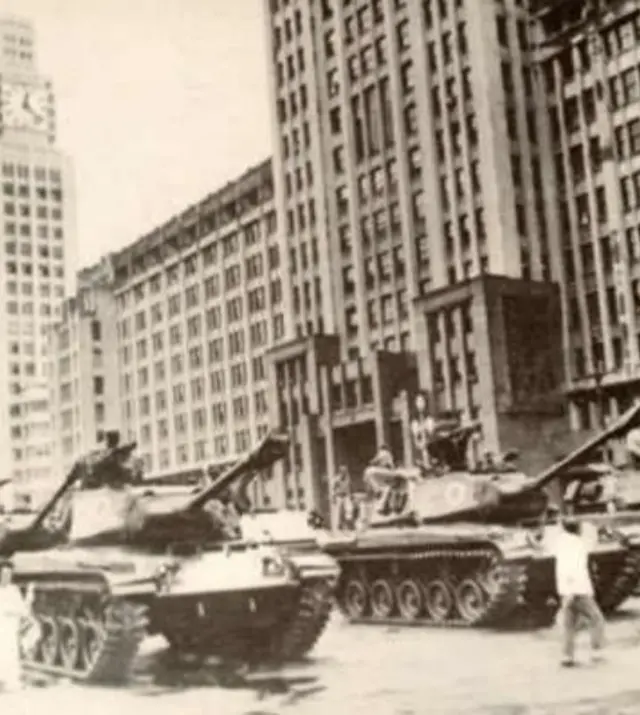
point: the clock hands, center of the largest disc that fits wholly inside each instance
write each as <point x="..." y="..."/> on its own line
<point x="26" y="105"/>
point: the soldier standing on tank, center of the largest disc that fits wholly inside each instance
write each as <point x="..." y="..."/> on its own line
<point x="383" y="459"/>
<point x="342" y="497"/>
<point x="422" y="428"/>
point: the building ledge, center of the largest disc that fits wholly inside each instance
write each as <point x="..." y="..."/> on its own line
<point x="617" y="378"/>
<point x="327" y="347"/>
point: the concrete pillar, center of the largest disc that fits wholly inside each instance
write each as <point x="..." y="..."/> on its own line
<point x="327" y="419"/>
<point x="273" y="402"/>
<point x="311" y="462"/>
<point x="485" y="354"/>
<point x="407" y="443"/>
<point x="380" y="400"/>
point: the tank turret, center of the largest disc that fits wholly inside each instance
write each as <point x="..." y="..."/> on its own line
<point x="52" y="524"/>
<point x="212" y="513"/>
<point x="454" y="487"/>
<point x="97" y="504"/>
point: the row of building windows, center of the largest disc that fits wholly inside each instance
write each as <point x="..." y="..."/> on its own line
<point x="201" y="449"/>
<point x="255" y="301"/>
<point x="240" y="407"/>
<point x="188" y="269"/>
<point x="28" y="308"/>
<point x="27" y="269"/>
<point x="45" y="290"/>
<point x="236" y="342"/>
<point x="39" y="173"/>
<point x="25" y="210"/>
<point x="25" y="230"/>
<point x="27" y="250"/>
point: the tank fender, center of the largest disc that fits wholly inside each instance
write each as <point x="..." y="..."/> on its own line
<point x="314" y="565"/>
<point x="119" y="578"/>
<point x="517" y="544"/>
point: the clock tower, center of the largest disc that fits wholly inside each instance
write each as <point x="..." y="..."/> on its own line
<point x="26" y="107"/>
<point x="37" y="225"/>
<point x="27" y="102"/>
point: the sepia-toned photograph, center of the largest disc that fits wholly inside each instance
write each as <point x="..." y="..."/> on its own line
<point x="320" y="357"/>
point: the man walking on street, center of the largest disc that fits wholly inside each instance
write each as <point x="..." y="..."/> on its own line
<point x="575" y="588"/>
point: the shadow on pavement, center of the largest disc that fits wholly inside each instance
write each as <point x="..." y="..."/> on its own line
<point x="166" y="672"/>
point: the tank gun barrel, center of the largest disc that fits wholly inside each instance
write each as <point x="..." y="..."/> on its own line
<point x="624" y="423"/>
<point x="271" y="449"/>
<point x="81" y="468"/>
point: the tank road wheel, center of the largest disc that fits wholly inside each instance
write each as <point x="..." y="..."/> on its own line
<point x="438" y="601"/>
<point x="354" y="599"/>
<point x="92" y="636"/>
<point x="410" y="599"/>
<point x="50" y="640"/>
<point x="492" y="580"/>
<point x="470" y="601"/>
<point x="69" y="643"/>
<point x="382" y="599"/>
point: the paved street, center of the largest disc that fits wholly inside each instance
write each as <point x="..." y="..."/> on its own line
<point x="386" y="671"/>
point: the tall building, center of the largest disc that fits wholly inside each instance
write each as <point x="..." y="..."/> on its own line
<point x="36" y="233"/>
<point x="414" y="123"/>
<point x="410" y="190"/>
<point x="199" y="300"/>
<point x="588" y="59"/>
<point x="83" y="372"/>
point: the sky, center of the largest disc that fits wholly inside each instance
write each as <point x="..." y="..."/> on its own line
<point x="159" y="103"/>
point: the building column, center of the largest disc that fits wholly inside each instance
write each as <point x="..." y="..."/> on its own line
<point x="327" y="420"/>
<point x="312" y="460"/>
<point x="405" y="415"/>
<point x="423" y="350"/>
<point x="273" y="403"/>
<point x="488" y="399"/>
<point x="380" y="401"/>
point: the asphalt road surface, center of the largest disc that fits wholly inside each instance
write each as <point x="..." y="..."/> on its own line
<point x="370" y="670"/>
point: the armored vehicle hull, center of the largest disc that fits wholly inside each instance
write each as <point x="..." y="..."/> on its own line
<point x="94" y="607"/>
<point x="104" y="569"/>
<point x="464" y="574"/>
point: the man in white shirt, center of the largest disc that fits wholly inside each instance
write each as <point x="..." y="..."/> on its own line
<point x="574" y="586"/>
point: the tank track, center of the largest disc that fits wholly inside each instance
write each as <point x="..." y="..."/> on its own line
<point x="291" y="641"/>
<point x="86" y="635"/>
<point x="445" y="587"/>
<point x="617" y="582"/>
<point x="307" y="624"/>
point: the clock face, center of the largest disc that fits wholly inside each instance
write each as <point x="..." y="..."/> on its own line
<point x="24" y="107"/>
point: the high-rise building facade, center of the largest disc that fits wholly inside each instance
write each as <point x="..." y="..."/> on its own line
<point x="407" y="162"/>
<point x="83" y="372"/>
<point x="36" y="235"/>
<point x="199" y="300"/>
<point x="414" y="123"/>
<point x="588" y="60"/>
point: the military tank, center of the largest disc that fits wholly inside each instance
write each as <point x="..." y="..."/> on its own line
<point x="104" y="568"/>
<point x="448" y="544"/>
